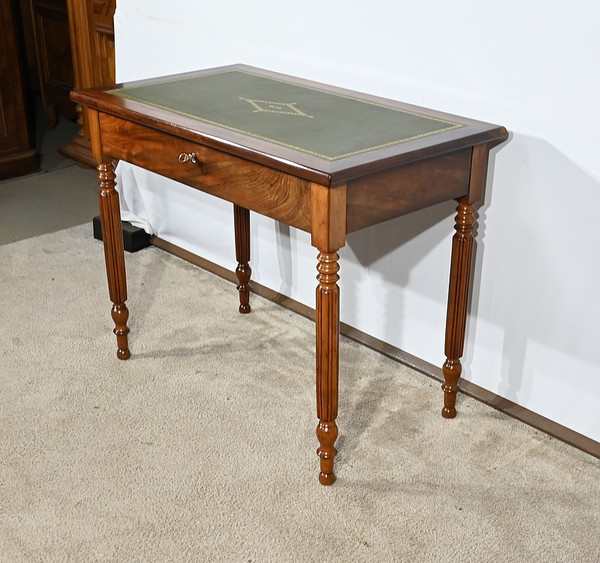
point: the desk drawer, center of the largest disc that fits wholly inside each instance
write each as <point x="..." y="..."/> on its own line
<point x="253" y="186"/>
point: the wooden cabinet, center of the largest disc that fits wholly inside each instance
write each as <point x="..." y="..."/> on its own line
<point x="17" y="155"/>
<point x="54" y="61"/>
<point x="93" y="46"/>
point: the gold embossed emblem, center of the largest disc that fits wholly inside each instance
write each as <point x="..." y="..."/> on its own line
<point x="286" y="108"/>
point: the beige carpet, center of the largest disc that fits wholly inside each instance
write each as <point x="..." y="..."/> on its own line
<point x="201" y="447"/>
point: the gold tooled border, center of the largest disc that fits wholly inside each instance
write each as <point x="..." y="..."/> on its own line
<point x="120" y="92"/>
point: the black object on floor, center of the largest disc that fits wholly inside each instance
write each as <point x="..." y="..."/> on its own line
<point x="134" y="238"/>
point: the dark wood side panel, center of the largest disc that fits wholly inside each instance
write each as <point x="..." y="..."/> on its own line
<point x="54" y="59"/>
<point x="234" y="179"/>
<point x="391" y="193"/>
<point x="17" y="155"/>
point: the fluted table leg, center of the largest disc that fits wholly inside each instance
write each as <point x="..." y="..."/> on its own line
<point x="241" y="217"/>
<point x="458" y="293"/>
<point x="328" y="335"/>
<point x="460" y="278"/>
<point x="112" y="235"/>
<point x="328" y="217"/>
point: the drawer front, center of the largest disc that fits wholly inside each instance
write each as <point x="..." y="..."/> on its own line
<point x="250" y="185"/>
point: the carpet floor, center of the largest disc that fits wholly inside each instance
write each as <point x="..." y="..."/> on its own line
<point x="201" y="446"/>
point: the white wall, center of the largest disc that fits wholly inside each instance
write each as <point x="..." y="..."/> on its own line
<point x="531" y="66"/>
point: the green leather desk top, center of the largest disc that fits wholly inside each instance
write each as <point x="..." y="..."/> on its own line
<point x="311" y="120"/>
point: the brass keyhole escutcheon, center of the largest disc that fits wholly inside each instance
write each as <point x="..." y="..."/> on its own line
<point x="188" y="157"/>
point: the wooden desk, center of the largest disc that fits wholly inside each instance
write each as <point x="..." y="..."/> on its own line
<point x="322" y="159"/>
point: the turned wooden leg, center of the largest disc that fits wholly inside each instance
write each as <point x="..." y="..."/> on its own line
<point x="328" y="335"/>
<point x="112" y="235"/>
<point x="328" y="235"/>
<point x="241" y="217"/>
<point x="458" y="294"/>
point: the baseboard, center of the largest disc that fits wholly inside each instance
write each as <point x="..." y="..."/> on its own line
<point x="513" y="410"/>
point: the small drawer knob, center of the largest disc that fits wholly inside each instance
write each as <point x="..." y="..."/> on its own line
<point x="188" y="157"/>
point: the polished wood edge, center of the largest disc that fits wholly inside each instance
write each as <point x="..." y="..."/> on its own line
<point x="211" y="137"/>
<point x="501" y="404"/>
<point x="286" y="159"/>
<point x="299" y="81"/>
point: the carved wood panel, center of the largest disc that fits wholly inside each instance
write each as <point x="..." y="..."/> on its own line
<point x="100" y="22"/>
<point x="54" y="60"/>
<point x="93" y="43"/>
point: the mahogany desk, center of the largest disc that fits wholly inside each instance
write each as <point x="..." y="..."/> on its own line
<point x="322" y="159"/>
